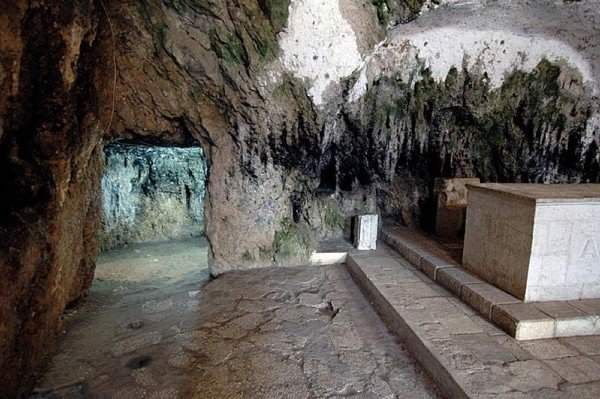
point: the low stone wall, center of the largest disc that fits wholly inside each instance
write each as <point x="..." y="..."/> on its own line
<point x="151" y="194"/>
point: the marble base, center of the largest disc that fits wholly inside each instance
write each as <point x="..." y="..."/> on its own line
<point x="537" y="242"/>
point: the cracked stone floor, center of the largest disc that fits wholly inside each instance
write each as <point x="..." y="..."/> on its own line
<point x="155" y="326"/>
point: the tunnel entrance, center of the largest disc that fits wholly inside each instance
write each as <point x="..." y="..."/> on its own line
<point x="151" y="194"/>
<point x="149" y="276"/>
<point x="152" y="220"/>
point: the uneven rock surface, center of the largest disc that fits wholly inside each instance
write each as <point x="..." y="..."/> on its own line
<point x="308" y="112"/>
<point x="151" y="194"/>
<point x="149" y="330"/>
<point x="50" y="170"/>
<point x="495" y="90"/>
<point x="321" y="108"/>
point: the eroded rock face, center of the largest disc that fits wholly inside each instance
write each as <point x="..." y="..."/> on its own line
<point x="294" y="144"/>
<point x="151" y="193"/>
<point x="50" y="168"/>
<point x="455" y="96"/>
<point x="532" y="128"/>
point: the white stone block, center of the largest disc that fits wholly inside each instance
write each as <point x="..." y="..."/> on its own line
<point x="538" y="242"/>
<point x="328" y="258"/>
<point x="584" y="325"/>
<point x="365" y="232"/>
<point x="534" y="329"/>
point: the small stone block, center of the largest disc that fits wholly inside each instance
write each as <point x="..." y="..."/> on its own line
<point x="414" y="254"/>
<point x="400" y="245"/>
<point x="548" y="349"/>
<point x="454" y="278"/>
<point x="570" y="321"/>
<point x="587" y="325"/>
<point x="586" y="345"/>
<point x="389" y="239"/>
<point x="559" y="309"/>
<point x="577" y="369"/>
<point x="483" y="297"/>
<point x="523" y="321"/>
<point x="589" y="306"/>
<point x="365" y="232"/>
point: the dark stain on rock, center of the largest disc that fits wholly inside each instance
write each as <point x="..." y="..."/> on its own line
<point x="138" y="362"/>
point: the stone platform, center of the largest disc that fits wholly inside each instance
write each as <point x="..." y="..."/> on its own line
<point x="523" y="321"/>
<point x="467" y="356"/>
<point x="539" y="242"/>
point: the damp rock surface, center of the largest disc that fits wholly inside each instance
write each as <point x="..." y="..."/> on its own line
<point x="296" y="146"/>
<point x="151" y="193"/>
<point x="265" y="334"/>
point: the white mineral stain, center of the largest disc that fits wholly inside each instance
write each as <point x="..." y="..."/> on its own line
<point x="497" y="53"/>
<point x="319" y="45"/>
<point x="592" y="130"/>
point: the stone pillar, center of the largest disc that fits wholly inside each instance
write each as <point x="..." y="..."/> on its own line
<point x="365" y="232"/>
<point x="451" y="206"/>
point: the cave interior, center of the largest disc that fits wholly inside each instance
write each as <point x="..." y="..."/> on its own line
<point x="169" y="168"/>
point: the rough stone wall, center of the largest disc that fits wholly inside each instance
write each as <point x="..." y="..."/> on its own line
<point x="151" y="193"/>
<point x="497" y="90"/>
<point x="217" y="78"/>
<point x="297" y="138"/>
<point x="458" y="94"/>
<point x="533" y="128"/>
<point x="50" y="164"/>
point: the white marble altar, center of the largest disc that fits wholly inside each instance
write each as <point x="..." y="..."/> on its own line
<point x="537" y="242"/>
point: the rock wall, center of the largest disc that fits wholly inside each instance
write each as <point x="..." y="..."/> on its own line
<point x="151" y="193"/>
<point x="307" y="113"/>
<point x="457" y="93"/>
<point x="50" y="169"/>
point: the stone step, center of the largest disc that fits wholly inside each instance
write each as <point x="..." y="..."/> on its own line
<point x="523" y="321"/>
<point x="467" y="356"/>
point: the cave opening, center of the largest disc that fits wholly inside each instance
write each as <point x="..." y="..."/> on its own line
<point x="152" y="216"/>
<point x="328" y="173"/>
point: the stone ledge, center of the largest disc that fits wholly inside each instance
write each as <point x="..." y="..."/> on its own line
<point x="330" y="252"/>
<point x="466" y="355"/>
<point x="428" y="358"/>
<point x="328" y="258"/>
<point x="522" y="321"/>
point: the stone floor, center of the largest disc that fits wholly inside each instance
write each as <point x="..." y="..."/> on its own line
<point x="154" y="326"/>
